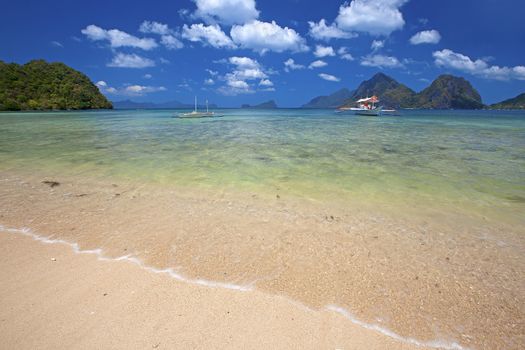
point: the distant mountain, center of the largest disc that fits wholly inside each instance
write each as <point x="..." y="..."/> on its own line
<point x="331" y="101"/>
<point x="128" y="104"/>
<point x="391" y="93"/>
<point x="38" y="85"/>
<point x="517" y="102"/>
<point x="448" y="91"/>
<point x="445" y="92"/>
<point x="265" y="105"/>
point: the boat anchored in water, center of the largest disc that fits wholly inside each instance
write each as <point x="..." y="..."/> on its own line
<point x="367" y="106"/>
<point x="196" y="114"/>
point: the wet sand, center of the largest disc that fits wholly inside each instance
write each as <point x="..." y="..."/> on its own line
<point x="52" y="298"/>
<point x="439" y="277"/>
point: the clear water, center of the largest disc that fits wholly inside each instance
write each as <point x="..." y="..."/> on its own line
<point x="464" y="159"/>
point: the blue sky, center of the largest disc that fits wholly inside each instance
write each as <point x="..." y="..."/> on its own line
<point x="247" y="51"/>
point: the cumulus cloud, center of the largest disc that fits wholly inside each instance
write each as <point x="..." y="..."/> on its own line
<point x="227" y="12"/>
<point x="450" y="59"/>
<point x="317" y="64"/>
<point x="426" y="37"/>
<point x="381" y="61"/>
<point x="321" y="31"/>
<point x="376" y="17"/>
<point x="323" y="51"/>
<point x="147" y="76"/>
<point x="154" y="27"/>
<point x="290" y="64"/>
<point x="168" y="36"/>
<point x="266" y="82"/>
<point x="128" y="90"/>
<point x="122" y="60"/>
<point x="118" y="38"/>
<point x="377" y="44"/>
<point x="209" y="81"/>
<point x="211" y="35"/>
<point x="265" y="36"/>
<point x="239" y="79"/>
<point x="328" y="77"/>
<point x="343" y="53"/>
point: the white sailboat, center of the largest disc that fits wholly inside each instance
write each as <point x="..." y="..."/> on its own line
<point x="196" y="114"/>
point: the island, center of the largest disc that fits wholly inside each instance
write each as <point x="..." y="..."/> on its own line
<point x="265" y="105"/>
<point x="39" y="85"/>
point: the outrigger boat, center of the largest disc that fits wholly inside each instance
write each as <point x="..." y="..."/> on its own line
<point x="367" y="106"/>
<point x="197" y="114"/>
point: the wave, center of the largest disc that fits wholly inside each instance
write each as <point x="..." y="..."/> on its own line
<point x="437" y="344"/>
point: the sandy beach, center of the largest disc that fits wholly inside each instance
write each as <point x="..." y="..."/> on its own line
<point x="351" y="269"/>
<point x="52" y="298"/>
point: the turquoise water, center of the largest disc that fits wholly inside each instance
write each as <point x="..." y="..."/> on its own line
<point x="468" y="159"/>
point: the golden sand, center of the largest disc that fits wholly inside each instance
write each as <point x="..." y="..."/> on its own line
<point x="438" y="276"/>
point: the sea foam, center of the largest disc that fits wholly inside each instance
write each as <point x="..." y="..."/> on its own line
<point x="437" y="344"/>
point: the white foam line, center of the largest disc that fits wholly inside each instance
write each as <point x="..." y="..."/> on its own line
<point x="129" y="258"/>
<point x="438" y="344"/>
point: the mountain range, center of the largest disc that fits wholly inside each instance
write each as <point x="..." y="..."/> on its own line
<point x="445" y="92"/>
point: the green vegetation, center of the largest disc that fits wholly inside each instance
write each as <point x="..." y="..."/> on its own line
<point x="38" y="85"/>
<point x="331" y="101"/>
<point x="517" y="102"/>
<point x="445" y="92"/>
<point x="448" y="91"/>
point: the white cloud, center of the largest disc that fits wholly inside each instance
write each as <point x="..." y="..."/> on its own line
<point x="264" y="36"/>
<point x="321" y="31"/>
<point x="211" y="35"/>
<point x="171" y="42"/>
<point x="450" y="59"/>
<point x="343" y="52"/>
<point x="139" y="90"/>
<point x="377" y="44"/>
<point x="323" y="51"/>
<point x="426" y="37"/>
<point x="57" y="44"/>
<point x="226" y="11"/>
<point x="147" y="76"/>
<point x="164" y="61"/>
<point x="381" y="61"/>
<point x="376" y="17"/>
<point x="155" y="28"/>
<point x="209" y="81"/>
<point x="123" y="60"/>
<point x="118" y="38"/>
<point x="213" y="73"/>
<point x="245" y="70"/>
<point x="168" y="37"/>
<point x="328" y="77"/>
<point x="266" y="82"/>
<point x="290" y="64"/>
<point x="128" y="90"/>
<point x="317" y="64"/>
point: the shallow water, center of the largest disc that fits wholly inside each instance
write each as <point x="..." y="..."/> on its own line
<point x="472" y="160"/>
<point x="200" y="197"/>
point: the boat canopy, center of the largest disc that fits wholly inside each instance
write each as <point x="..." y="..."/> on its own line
<point x="372" y="99"/>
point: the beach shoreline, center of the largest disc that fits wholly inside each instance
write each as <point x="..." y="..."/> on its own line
<point x="388" y="275"/>
<point x="53" y="298"/>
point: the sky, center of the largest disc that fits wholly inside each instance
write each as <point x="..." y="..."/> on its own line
<point x="246" y="51"/>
